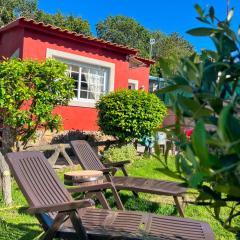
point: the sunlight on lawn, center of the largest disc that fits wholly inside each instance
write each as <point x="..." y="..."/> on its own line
<point x="15" y="224"/>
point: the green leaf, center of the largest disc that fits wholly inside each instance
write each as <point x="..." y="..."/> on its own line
<point x="212" y="13"/>
<point x="224" y="44"/>
<point x="196" y="179"/>
<point x="199" y="10"/>
<point x="174" y="88"/>
<point x="201" y="31"/>
<point x="185" y="166"/>
<point x="203" y="19"/>
<point x="192" y="107"/>
<point x="199" y="142"/>
<point x="228" y="189"/>
<point x="229" y="127"/>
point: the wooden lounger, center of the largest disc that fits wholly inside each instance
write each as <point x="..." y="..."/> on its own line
<point x="90" y="161"/>
<point x="64" y="218"/>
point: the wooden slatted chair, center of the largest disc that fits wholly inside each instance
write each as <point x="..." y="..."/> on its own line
<point x="64" y="218"/>
<point x="90" y="161"/>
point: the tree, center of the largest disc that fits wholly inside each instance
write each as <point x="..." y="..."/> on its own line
<point x="29" y="91"/>
<point x="12" y="9"/>
<point x="126" y="31"/>
<point x="70" y="22"/>
<point x="210" y="100"/>
<point x="130" y="114"/>
<point x="172" y="48"/>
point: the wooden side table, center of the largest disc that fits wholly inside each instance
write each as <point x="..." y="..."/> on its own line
<point x="83" y="178"/>
<point x="86" y="178"/>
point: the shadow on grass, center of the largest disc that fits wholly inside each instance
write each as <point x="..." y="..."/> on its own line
<point x="133" y="203"/>
<point x="168" y="173"/>
<point x="20" y="231"/>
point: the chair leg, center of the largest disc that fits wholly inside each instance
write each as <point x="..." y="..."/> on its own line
<point x="117" y="198"/>
<point x="77" y="224"/>
<point x="50" y="233"/>
<point x="179" y="206"/>
<point x="100" y="196"/>
<point x="184" y="201"/>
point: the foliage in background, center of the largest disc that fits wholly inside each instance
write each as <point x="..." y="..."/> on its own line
<point x="125" y="152"/>
<point x="127" y="31"/>
<point x="29" y="91"/>
<point x="70" y="22"/>
<point x="130" y="114"/>
<point x="13" y="9"/>
<point x="210" y="100"/>
<point x="171" y="49"/>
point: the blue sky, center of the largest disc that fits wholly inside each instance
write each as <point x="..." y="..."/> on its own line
<point x="167" y="16"/>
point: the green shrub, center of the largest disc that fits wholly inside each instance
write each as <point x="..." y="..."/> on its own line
<point x="130" y="114"/>
<point x="210" y="84"/>
<point x="116" y="154"/>
<point x="29" y="92"/>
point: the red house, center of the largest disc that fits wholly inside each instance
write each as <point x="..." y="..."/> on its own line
<point x="96" y="65"/>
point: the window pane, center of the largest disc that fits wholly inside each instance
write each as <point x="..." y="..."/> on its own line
<point x="84" y="85"/>
<point x="131" y="86"/>
<point x="74" y="75"/>
<point x="85" y="70"/>
<point x="91" y="95"/>
<point x="75" y="68"/>
<point x="76" y="93"/>
<point x="76" y="84"/>
<point x="83" y="94"/>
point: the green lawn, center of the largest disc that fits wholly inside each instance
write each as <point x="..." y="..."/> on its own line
<point x="16" y="224"/>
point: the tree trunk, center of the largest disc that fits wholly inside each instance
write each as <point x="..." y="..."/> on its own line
<point x="5" y="180"/>
<point x="8" y="140"/>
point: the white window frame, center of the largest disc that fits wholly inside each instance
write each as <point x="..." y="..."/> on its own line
<point x="135" y="82"/>
<point x="73" y="59"/>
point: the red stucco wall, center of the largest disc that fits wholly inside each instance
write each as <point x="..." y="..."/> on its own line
<point x="142" y="75"/>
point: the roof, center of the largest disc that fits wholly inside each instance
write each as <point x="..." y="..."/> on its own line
<point x="40" y="26"/>
<point x="145" y="60"/>
<point x="64" y="33"/>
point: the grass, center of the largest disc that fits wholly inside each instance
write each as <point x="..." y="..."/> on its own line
<point x="16" y="224"/>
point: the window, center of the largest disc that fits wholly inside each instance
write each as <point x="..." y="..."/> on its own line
<point x="90" y="81"/>
<point x="132" y="84"/>
<point x="92" y="77"/>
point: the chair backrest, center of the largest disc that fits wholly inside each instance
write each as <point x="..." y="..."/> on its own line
<point x="36" y="178"/>
<point x="86" y="156"/>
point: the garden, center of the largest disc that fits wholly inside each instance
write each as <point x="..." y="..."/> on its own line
<point x="204" y="94"/>
<point x="16" y="224"/>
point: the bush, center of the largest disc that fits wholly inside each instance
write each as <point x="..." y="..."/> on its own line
<point x="210" y="83"/>
<point x="130" y="114"/>
<point x="29" y="92"/>
<point x="116" y="154"/>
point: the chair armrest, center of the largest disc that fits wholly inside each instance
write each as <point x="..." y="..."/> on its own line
<point x="61" y="207"/>
<point x="95" y="187"/>
<point x="106" y="170"/>
<point x="117" y="164"/>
